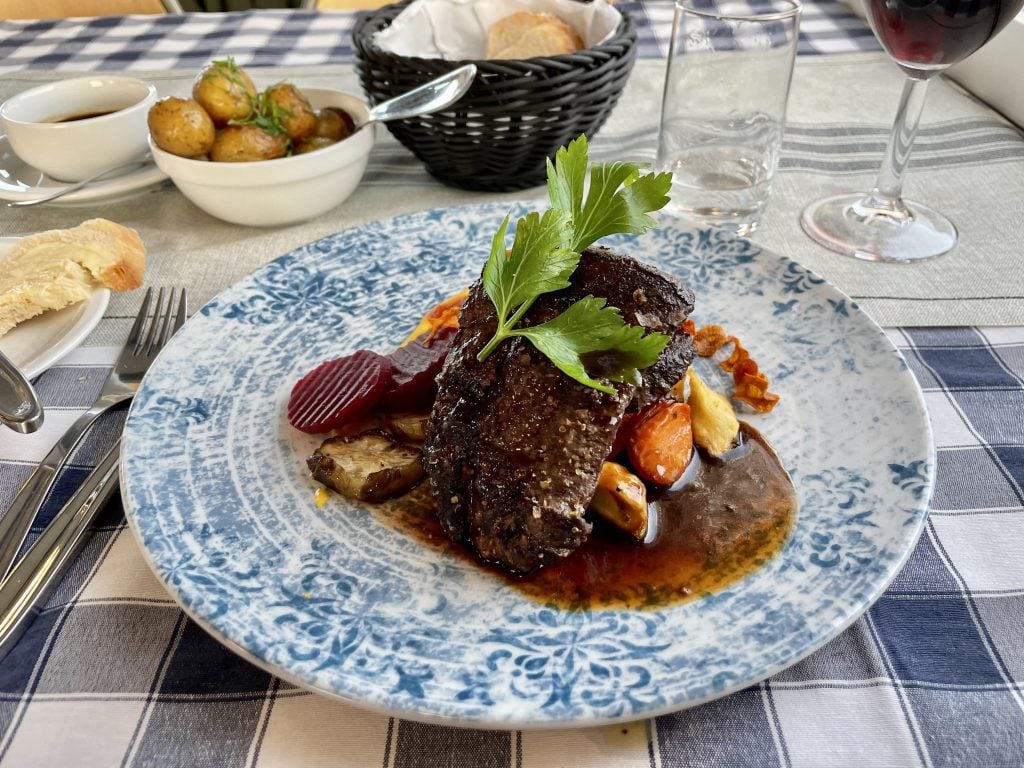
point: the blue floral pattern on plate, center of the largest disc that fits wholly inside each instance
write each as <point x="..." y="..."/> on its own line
<point x="338" y="599"/>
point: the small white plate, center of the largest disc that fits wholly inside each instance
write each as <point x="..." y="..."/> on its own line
<point x="20" y="181"/>
<point x="38" y="343"/>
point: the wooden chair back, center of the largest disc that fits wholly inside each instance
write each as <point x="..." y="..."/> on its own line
<point x="60" y="9"/>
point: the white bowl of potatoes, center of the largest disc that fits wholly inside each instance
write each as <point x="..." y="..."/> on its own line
<point x="260" y="158"/>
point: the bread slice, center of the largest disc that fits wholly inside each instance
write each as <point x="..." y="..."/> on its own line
<point x="58" y="268"/>
<point x="527" y="34"/>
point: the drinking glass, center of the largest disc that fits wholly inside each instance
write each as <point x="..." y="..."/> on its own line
<point x="924" y="37"/>
<point x="729" y="68"/>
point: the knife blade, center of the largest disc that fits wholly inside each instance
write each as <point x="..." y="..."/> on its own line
<point x="30" y="582"/>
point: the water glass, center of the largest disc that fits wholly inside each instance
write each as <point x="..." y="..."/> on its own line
<point x="729" y="68"/>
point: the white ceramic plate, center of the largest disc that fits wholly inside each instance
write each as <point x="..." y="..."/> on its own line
<point x="20" y="181"/>
<point x="341" y="600"/>
<point x="38" y="343"/>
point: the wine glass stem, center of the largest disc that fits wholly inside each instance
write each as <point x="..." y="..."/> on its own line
<point x="886" y="194"/>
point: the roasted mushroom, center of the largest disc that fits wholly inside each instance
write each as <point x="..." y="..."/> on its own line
<point x="409" y="426"/>
<point x="370" y="467"/>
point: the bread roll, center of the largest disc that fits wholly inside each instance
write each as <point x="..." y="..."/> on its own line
<point x="61" y="267"/>
<point x="527" y="34"/>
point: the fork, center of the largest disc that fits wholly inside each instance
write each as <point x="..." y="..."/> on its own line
<point x="146" y="338"/>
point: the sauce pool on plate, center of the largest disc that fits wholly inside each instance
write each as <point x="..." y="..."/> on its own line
<point x="722" y="521"/>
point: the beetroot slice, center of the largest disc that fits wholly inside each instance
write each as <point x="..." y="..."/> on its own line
<point x="416" y="366"/>
<point x="338" y="391"/>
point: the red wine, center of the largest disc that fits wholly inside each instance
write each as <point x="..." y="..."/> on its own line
<point x="935" y="33"/>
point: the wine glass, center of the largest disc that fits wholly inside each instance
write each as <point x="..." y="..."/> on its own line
<point x="924" y="37"/>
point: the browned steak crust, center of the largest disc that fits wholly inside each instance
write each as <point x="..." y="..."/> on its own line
<point x="514" y="447"/>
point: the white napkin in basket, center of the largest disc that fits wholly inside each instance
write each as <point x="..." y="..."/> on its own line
<point x="457" y="29"/>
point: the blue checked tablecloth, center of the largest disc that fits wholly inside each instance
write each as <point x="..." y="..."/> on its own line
<point x="282" y="38"/>
<point x="113" y="674"/>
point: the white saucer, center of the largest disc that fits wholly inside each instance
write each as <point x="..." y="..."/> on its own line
<point x="38" y="343"/>
<point x="20" y="181"/>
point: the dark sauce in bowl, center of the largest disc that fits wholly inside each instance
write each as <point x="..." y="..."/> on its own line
<point x="74" y="117"/>
<point x="83" y="116"/>
<point x="723" y="520"/>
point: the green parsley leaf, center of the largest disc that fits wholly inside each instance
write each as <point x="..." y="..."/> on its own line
<point x="589" y="339"/>
<point x="617" y="201"/>
<point x="538" y="264"/>
<point x="566" y="179"/>
<point x="590" y="335"/>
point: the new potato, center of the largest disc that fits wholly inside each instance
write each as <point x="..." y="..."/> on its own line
<point x="227" y="120"/>
<point x="181" y="127"/>
<point x="245" y="143"/>
<point x="298" y="118"/>
<point x="334" y="124"/>
<point x="312" y="144"/>
<point x="226" y="92"/>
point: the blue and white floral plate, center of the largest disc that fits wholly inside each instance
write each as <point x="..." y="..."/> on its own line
<point x="341" y="601"/>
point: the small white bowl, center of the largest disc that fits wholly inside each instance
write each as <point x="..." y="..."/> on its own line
<point x="50" y="129"/>
<point x="270" y="193"/>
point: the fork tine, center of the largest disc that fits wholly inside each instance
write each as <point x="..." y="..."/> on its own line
<point x="170" y="317"/>
<point x="165" y="324"/>
<point x="151" y="335"/>
<point x="182" y="314"/>
<point x="140" y="320"/>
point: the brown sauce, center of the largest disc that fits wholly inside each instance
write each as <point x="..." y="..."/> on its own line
<point x="722" y="521"/>
<point x="83" y="116"/>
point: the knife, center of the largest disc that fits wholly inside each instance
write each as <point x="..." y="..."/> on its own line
<point x="30" y="582"/>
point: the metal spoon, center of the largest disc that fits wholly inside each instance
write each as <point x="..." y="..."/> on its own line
<point x="432" y="96"/>
<point x="84" y="182"/>
<point x="20" y="408"/>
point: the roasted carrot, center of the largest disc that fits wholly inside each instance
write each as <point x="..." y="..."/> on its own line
<point x="660" y="446"/>
<point x="444" y="315"/>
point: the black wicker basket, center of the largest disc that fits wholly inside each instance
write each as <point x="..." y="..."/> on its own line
<point x="516" y="114"/>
